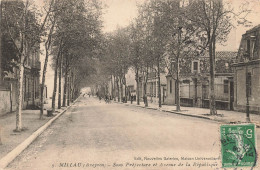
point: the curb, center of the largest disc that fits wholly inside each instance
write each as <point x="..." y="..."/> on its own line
<point x="179" y="113"/>
<point x="183" y="114"/>
<point x="7" y="159"/>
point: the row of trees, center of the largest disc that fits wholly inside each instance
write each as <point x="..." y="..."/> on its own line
<point x="74" y="40"/>
<point x="71" y="33"/>
<point x="165" y="35"/>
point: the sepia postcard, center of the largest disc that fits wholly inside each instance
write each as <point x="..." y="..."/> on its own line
<point x="129" y="84"/>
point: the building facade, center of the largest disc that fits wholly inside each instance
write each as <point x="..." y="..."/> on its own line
<point x="247" y="72"/>
<point x="31" y="85"/>
<point x="194" y="82"/>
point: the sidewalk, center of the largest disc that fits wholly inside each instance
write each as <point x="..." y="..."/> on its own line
<point x="30" y="122"/>
<point x="223" y="116"/>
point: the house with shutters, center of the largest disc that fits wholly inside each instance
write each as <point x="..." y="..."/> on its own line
<point x="247" y="72"/>
<point x="194" y="82"/>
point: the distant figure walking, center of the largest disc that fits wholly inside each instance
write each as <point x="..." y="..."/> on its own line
<point x="107" y="98"/>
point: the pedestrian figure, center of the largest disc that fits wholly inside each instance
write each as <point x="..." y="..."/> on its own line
<point x="132" y="99"/>
<point x="105" y="98"/>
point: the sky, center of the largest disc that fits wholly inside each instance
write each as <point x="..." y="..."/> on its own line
<point x="120" y="13"/>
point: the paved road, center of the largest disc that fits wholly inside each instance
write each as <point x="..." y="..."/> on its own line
<point x="94" y="135"/>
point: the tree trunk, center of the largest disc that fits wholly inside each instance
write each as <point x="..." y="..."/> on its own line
<point x="159" y="83"/>
<point x="72" y="87"/>
<point x="125" y="90"/>
<point x="55" y="85"/>
<point x="212" y="102"/>
<point x="11" y="97"/>
<point x="178" y="101"/>
<point x="1" y="47"/>
<point x="112" y="87"/>
<point x="47" y="46"/>
<point x="121" y="89"/>
<point x="68" y="95"/>
<point x="43" y="83"/>
<point x="145" y="88"/>
<point x="118" y="94"/>
<point x="65" y="89"/>
<point x="20" y="96"/>
<point x="72" y="93"/>
<point x="145" y="95"/>
<point x="60" y="73"/>
<point x="137" y="86"/>
<point x="0" y="137"/>
<point x="33" y="96"/>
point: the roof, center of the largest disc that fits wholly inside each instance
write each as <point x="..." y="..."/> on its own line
<point x="224" y="54"/>
<point x="253" y="29"/>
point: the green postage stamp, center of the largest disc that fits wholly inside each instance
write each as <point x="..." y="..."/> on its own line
<point x="238" y="145"/>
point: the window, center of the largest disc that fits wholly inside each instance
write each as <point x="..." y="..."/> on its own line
<point x="249" y="84"/>
<point x="170" y="86"/>
<point x="186" y="81"/>
<point x="225" y="86"/>
<point x="195" y="67"/>
<point x="254" y="50"/>
<point x="248" y="48"/>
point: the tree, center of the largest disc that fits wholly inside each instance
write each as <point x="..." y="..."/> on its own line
<point x="80" y="25"/>
<point x="50" y="19"/>
<point x="116" y="59"/>
<point x="23" y="31"/>
<point x="159" y="35"/>
<point x="154" y="47"/>
<point x="181" y="39"/>
<point x="60" y="77"/>
<point x="136" y="48"/>
<point x="75" y="37"/>
<point x="56" y="67"/>
<point x="214" y="18"/>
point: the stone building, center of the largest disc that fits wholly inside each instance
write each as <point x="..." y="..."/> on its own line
<point x="194" y="82"/>
<point x="247" y="72"/>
